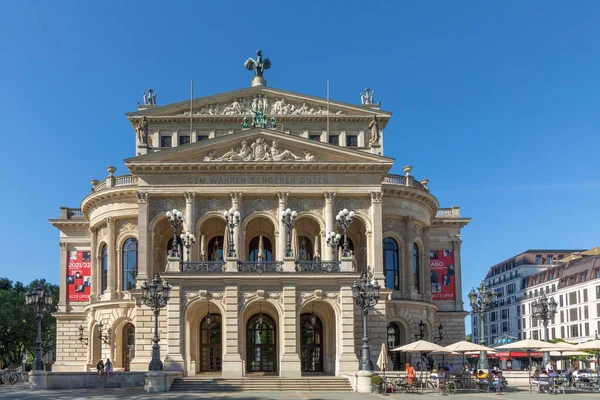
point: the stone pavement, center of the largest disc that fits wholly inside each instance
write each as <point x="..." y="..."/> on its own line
<point x="21" y="391"/>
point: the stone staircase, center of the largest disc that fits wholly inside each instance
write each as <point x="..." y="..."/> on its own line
<point x="200" y="384"/>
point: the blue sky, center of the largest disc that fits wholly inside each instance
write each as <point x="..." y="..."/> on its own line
<point x="497" y="103"/>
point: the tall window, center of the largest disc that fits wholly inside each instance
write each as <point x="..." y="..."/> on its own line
<point x="416" y="267"/>
<point x="130" y="259"/>
<point x="104" y="263"/>
<point x="391" y="264"/>
<point x="260" y="251"/>
<point x="351" y="141"/>
<point x="334" y="139"/>
<point x="185" y="139"/>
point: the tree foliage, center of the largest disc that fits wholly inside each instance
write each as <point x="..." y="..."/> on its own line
<point x="469" y="337"/>
<point x="18" y="324"/>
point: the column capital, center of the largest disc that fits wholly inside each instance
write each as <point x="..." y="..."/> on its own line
<point x="142" y="197"/>
<point x="235" y="196"/>
<point x="110" y="221"/>
<point x="376" y="197"/>
<point x="93" y="231"/>
<point x="189" y="196"/>
<point x="329" y="196"/>
<point x="63" y="245"/>
<point x="283" y="196"/>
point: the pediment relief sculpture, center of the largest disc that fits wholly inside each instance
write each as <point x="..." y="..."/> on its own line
<point x="258" y="150"/>
<point x="258" y="102"/>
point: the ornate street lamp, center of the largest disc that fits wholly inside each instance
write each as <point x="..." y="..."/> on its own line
<point x="81" y="338"/>
<point x="544" y="310"/>
<point x="333" y="240"/>
<point x="105" y="338"/>
<point x="288" y="218"/>
<point x="421" y="334"/>
<point x="175" y="220"/>
<point x="344" y="220"/>
<point x="366" y="296"/>
<point x="480" y="306"/>
<point x="232" y="219"/>
<point x="155" y="296"/>
<point x="188" y="239"/>
<point x="40" y="303"/>
<point x="440" y="336"/>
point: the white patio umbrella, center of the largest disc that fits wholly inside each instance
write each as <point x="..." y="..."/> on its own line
<point x="261" y="249"/>
<point x="528" y="344"/>
<point x="463" y="347"/>
<point x="317" y="250"/>
<point x="382" y="363"/>
<point x="593" y="345"/>
<point x="202" y="247"/>
<point x="422" y="347"/>
<point x="559" y="349"/>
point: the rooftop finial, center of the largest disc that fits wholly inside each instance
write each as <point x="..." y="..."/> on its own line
<point x="258" y="66"/>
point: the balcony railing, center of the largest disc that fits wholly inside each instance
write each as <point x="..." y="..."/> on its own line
<point x="260" y="266"/>
<point x="318" y="266"/>
<point x="453" y="212"/>
<point x="402" y="180"/>
<point x="203" y="266"/>
<point x="113" y="181"/>
<point x="397" y="179"/>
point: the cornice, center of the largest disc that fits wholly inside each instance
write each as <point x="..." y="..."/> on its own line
<point x="412" y="194"/>
<point x="69" y="223"/>
<point x="96" y="197"/>
<point x="235" y="119"/>
<point x="455" y="222"/>
<point x="138" y="168"/>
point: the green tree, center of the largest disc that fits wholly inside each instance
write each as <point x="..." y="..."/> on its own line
<point x="469" y="337"/>
<point x="18" y="323"/>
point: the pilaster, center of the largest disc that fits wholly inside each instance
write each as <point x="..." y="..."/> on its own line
<point x="190" y="219"/>
<point x="281" y="239"/>
<point x="347" y="363"/>
<point x="112" y="264"/>
<point x="377" y="236"/>
<point x="426" y="278"/>
<point x="408" y="257"/>
<point x="329" y="222"/>
<point x="232" y="360"/>
<point x="144" y="244"/>
<point x="94" y="264"/>
<point x="236" y="205"/>
<point x="174" y="359"/>
<point x="62" y="292"/>
<point x="290" y="359"/>
<point x="458" y="302"/>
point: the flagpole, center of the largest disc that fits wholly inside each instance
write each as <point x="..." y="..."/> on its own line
<point x="191" y="107"/>
<point x="328" y="107"/>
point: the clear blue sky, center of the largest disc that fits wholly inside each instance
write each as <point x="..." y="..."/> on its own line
<point x="497" y="103"/>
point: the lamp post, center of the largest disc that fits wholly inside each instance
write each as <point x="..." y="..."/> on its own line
<point x="545" y="310"/>
<point x="105" y="338"/>
<point x="188" y="239"/>
<point x="40" y="303"/>
<point x="155" y="295"/>
<point x="440" y="336"/>
<point x="421" y="334"/>
<point x="344" y="220"/>
<point x="288" y="218"/>
<point x="481" y="303"/>
<point x="366" y="296"/>
<point x="175" y="220"/>
<point x="82" y="339"/>
<point x="333" y="240"/>
<point x="232" y="219"/>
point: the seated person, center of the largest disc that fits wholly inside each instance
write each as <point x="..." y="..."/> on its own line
<point x="496" y="378"/>
<point x="482" y="378"/>
<point x="543" y="381"/>
<point x="410" y="372"/>
<point x="441" y="378"/>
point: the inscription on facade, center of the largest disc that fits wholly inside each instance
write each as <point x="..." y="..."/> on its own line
<point x="258" y="180"/>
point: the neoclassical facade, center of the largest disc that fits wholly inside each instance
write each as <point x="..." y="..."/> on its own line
<point x="257" y="150"/>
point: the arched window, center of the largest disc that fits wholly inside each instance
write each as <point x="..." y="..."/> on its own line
<point x="416" y="267"/>
<point x="258" y="251"/>
<point x="215" y="249"/>
<point x="130" y="259"/>
<point x="393" y="341"/>
<point x="305" y="249"/>
<point x="104" y="266"/>
<point x="391" y="264"/>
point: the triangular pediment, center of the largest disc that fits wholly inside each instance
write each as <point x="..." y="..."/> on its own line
<point x="274" y="102"/>
<point x="258" y="146"/>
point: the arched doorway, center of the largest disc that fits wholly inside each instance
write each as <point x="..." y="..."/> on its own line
<point x="311" y="343"/>
<point x="211" y="348"/>
<point x="261" y="344"/>
<point x="127" y="345"/>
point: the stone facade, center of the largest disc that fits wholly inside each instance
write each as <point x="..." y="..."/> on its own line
<point x="217" y="306"/>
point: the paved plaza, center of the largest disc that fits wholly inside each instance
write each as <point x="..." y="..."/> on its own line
<point x="22" y="391"/>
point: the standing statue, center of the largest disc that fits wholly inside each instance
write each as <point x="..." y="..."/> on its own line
<point x="149" y="98"/>
<point x="142" y="131"/>
<point x="259" y="65"/>
<point x="367" y="97"/>
<point x="375" y="135"/>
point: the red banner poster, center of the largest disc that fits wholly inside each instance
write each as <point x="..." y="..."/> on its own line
<point x="442" y="275"/>
<point x="79" y="277"/>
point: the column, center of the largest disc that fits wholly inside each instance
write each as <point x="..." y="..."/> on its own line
<point x="290" y="359"/>
<point x="329" y="223"/>
<point x="62" y="293"/>
<point x="112" y="262"/>
<point x="173" y="349"/>
<point x="236" y="199"/>
<point x="377" y="236"/>
<point x="426" y="276"/>
<point x="347" y="362"/>
<point x="281" y="239"/>
<point x="144" y="245"/>
<point x="408" y="257"/>
<point x="458" y="302"/>
<point x="94" y="269"/>
<point x="232" y="360"/>
<point x="190" y="220"/>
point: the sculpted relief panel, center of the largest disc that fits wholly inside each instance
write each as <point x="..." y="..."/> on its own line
<point x="307" y="204"/>
<point x="160" y="206"/>
<point x="258" y="102"/>
<point x="268" y="205"/>
<point x="258" y="150"/>
<point x="203" y="206"/>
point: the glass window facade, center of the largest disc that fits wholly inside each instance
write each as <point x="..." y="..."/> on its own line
<point x="130" y="260"/>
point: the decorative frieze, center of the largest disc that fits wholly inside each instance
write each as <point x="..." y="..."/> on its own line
<point x="268" y="205"/>
<point x="204" y="206"/>
<point x="258" y="150"/>
<point x="261" y="294"/>
<point x="128" y="226"/>
<point x="317" y="294"/>
<point x="391" y="224"/>
<point x="314" y="205"/>
<point x="360" y="205"/>
<point x="160" y="206"/>
<point x="204" y="294"/>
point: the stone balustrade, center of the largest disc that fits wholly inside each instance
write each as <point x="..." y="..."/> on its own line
<point x="452" y="212"/>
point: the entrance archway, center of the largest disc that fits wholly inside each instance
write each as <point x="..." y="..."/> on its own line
<point x="127" y="345"/>
<point x="311" y="343"/>
<point x="261" y="344"/>
<point x="211" y="348"/>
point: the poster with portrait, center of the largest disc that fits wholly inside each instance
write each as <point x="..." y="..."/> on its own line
<point x="442" y="275"/>
<point x="79" y="277"/>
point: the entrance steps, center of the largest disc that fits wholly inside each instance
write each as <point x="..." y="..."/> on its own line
<point x="261" y="383"/>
